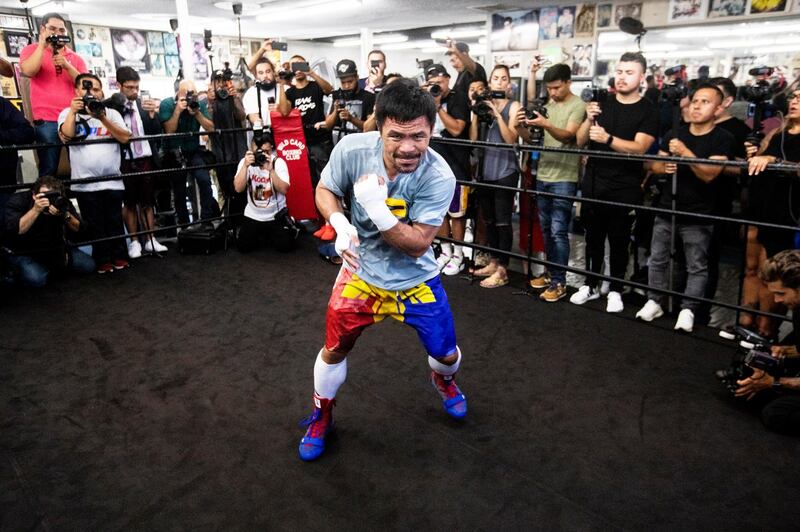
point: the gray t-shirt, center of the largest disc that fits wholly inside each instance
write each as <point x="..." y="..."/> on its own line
<point x="419" y="197"/>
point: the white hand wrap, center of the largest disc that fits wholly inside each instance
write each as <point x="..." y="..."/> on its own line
<point x="344" y="233"/>
<point x="371" y="195"/>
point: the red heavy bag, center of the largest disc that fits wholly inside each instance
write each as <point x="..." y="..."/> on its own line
<point x="290" y="144"/>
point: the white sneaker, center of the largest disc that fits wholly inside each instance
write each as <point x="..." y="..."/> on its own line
<point x="614" y="303"/>
<point x="442" y="261"/>
<point x="605" y="288"/>
<point x="454" y="266"/>
<point x="585" y="293"/>
<point x="134" y="249"/>
<point x="685" y="320"/>
<point x="650" y="311"/>
<point x="153" y="245"/>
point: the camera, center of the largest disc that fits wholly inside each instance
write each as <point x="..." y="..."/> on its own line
<point x="480" y="108"/>
<point x="90" y="103"/>
<point x="191" y="101"/>
<point x="56" y="40"/>
<point x="675" y="92"/>
<point x="435" y="90"/>
<point x="57" y="200"/>
<point x="286" y="75"/>
<point x="753" y="352"/>
<point x="535" y="109"/>
<point x="261" y="158"/>
<point x="594" y="94"/>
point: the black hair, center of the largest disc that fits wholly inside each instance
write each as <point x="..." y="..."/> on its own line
<point x="559" y="72"/>
<point x="53" y="183"/>
<point x="266" y="136"/>
<point x="404" y="101"/>
<point x="634" y="57"/>
<point x="86" y="75"/>
<point x="125" y="74"/>
<point x="500" y="67"/>
<point x="46" y="18"/>
<point x="727" y="87"/>
<point x="783" y="267"/>
<point x="711" y="87"/>
<point x="265" y="60"/>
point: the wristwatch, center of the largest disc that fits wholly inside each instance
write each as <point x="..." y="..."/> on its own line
<point x="610" y="140"/>
<point x="776" y="384"/>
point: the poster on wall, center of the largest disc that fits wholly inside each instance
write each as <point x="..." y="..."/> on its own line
<point x="172" y="64"/>
<point x="582" y="60"/>
<point x="170" y="44"/>
<point x="627" y="10"/>
<point x="130" y="49"/>
<point x="13" y="22"/>
<point x="515" y="30"/>
<point x="548" y="23"/>
<point x="15" y="42"/>
<point x="155" y="41"/>
<point x="604" y="13"/>
<point x="727" y="8"/>
<point x="767" y="6"/>
<point x="584" y="20"/>
<point x="9" y="87"/>
<point x="566" y="22"/>
<point x="157" y="65"/>
<point x="796" y="6"/>
<point x="199" y="58"/>
<point x="511" y="60"/>
<point x="687" y="10"/>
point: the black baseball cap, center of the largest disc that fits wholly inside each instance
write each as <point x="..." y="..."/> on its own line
<point x="345" y="68"/>
<point x="461" y="47"/>
<point x="436" y="70"/>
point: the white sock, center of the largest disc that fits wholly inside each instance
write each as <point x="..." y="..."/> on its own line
<point x="328" y="377"/>
<point x="444" y="369"/>
<point x="447" y="248"/>
<point x="458" y="251"/>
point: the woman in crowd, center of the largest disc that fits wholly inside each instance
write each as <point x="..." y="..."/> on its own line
<point x="499" y="168"/>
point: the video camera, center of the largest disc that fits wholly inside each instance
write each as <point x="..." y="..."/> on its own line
<point x="225" y="76"/>
<point x="481" y="109"/>
<point x="754" y="352"/>
<point x="594" y="94"/>
<point x="57" y="200"/>
<point x="762" y="90"/>
<point x="56" y="40"/>
<point x="90" y="103"/>
<point x="191" y="101"/>
<point x="286" y="75"/>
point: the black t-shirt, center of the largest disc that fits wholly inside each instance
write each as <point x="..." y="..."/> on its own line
<point x="360" y="104"/>
<point x="455" y="104"/>
<point x="312" y="110"/>
<point x="44" y="241"/>
<point x="614" y="179"/>
<point x="796" y="327"/>
<point x="728" y="186"/>
<point x="775" y="196"/>
<point x="465" y="78"/>
<point x="740" y="131"/>
<point x="694" y="194"/>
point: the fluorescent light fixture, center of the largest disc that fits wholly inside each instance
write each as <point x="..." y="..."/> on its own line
<point x="386" y="38"/>
<point x="613" y="36"/>
<point x="410" y="45"/>
<point x="739" y="43"/>
<point x="737" y="31"/>
<point x="786" y="48"/>
<point x="459" y="33"/>
<point x="482" y="40"/>
<point x="153" y="16"/>
<point x="312" y="9"/>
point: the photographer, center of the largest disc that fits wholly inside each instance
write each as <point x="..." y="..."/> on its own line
<point x="141" y="117"/>
<point x="499" y="168"/>
<point x="307" y="96"/>
<point x="376" y="80"/>
<point x="781" y="412"/>
<point x="265" y="178"/>
<point x="52" y="68"/>
<point x="270" y="93"/>
<point x="695" y="192"/>
<point x="35" y="223"/>
<point x="87" y="118"/>
<point x="468" y="69"/>
<point x="557" y="173"/>
<point x="14" y="129"/>
<point x="352" y="107"/>
<point x="183" y="114"/>
<point x="452" y="116"/>
<point x="227" y="112"/>
<point x="626" y="123"/>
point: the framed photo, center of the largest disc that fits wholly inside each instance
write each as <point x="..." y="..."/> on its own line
<point x="584" y="20"/>
<point x="767" y="6"/>
<point x="548" y="23"/>
<point x="15" y="41"/>
<point x="582" y="60"/>
<point x="236" y="48"/>
<point x="687" y="10"/>
<point x="627" y="10"/>
<point x="14" y="22"/>
<point x="130" y="49"/>
<point x="155" y="40"/>
<point x="727" y="8"/>
<point x="9" y="87"/>
<point x="515" y="30"/>
<point x="604" y="14"/>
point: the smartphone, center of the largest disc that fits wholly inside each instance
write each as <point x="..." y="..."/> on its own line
<point x="271" y="100"/>
<point x="375" y="64"/>
<point x="144" y="95"/>
<point x="278" y="45"/>
<point x="300" y="66"/>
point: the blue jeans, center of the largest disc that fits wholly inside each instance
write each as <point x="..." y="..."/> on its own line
<point x="555" y="215"/>
<point x="208" y="205"/>
<point x="47" y="132"/>
<point x="696" y="240"/>
<point x="33" y="273"/>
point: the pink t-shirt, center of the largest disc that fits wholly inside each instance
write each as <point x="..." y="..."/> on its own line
<point x="51" y="92"/>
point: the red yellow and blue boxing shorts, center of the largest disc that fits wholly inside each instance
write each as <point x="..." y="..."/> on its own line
<point x="356" y="304"/>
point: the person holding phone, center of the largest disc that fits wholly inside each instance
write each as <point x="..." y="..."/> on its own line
<point x="307" y="95"/>
<point x="377" y="69"/>
<point x="271" y="93"/>
<point x="352" y="107"/>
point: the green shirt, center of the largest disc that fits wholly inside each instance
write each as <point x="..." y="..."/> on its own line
<point x="560" y="167"/>
<point x="186" y="123"/>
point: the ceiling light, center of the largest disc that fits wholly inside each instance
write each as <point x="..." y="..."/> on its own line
<point x="736" y="31"/>
<point x="314" y="8"/>
<point x="248" y="8"/>
<point x="386" y="38"/>
<point x="153" y="16"/>
<point x="459" y="33"/>
<point x="409" y="45"/>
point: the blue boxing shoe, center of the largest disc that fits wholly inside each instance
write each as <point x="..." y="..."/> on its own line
<point x="319" y="424"/>
<point x="455" y="402"/>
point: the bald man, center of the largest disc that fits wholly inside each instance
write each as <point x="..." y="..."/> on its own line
<point x="181" y="114"/>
